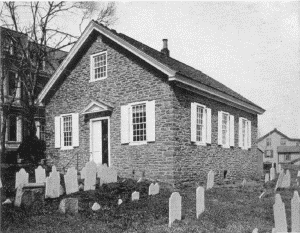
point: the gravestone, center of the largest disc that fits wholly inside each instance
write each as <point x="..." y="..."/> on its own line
<point x="272" y="172"/>
<point x="40" y="175"/>
<point x="120" y="201"/>
<point x="71" y="181"/>
<point x="267" y="177"/>
<point x="279" y="214"/>
<point x="295" y="212"/>
<point x="90" y="179"/>
<point x="21" y="177"/>
<point x="279" y="169"/>
<point x="0" y="183"/>
<point x="244" y="182"/>
<point x="298" y="175"/>
<point x="279" y="181"/>
<point x="69" y="205"/>
<point x="151" y="189"/>
<point x="155" y="189"/>
<point x="286" y="182"/>
<point x="174" y="207"/>
<point x="111" y="175"/>
<point x="19" y="194"/>
<point x="135" y="196"/>
<point x="255" y="230"/>
<point x="83" y="173"/>
<point x="102" y="173"/>
<point x="200" y="202"/>
<point x="210" y="179"/>
<point x="53" y="184"/>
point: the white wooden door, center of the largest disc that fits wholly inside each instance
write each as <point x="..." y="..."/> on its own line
<point x="96" y="139"/>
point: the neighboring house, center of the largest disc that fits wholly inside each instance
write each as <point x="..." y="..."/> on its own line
<point x="10" y="56"/>
<point x="289" y="154"/>
<point x="275" y="143"/>
<point x="115" y="100"/>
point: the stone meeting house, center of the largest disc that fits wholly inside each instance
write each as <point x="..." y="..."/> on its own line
<point x="115" y="100"/>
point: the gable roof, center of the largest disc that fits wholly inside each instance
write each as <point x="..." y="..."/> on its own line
<point x="176" y="70"/>
<point x="281" y="134"/>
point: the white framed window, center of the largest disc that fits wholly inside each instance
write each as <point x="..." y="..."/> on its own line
<point x="98" y="66"/>
<point x="67" y="131"/>
<point x="268" y="142"/>
<point x="200" y="124"/>
<point x="244" y="133"/>
<point x="287" y="157"/>
<point x="225" y="129"/>
<point x="138" y="123"/>
<point x="268" y="153"/>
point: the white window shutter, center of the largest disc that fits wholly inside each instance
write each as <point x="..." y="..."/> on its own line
<point x="208" y="125"/>
<point x="75" y="129"/>
<point x="219" y="127"/>
<point x="231" y="130"/>
<point x="240" y="132"/>
<point x="249" y="134"/>
<point x="57" y="132"/>
<point x="124" y="124"/>
<point x="19" y="129"/>
<point x="150" y="118"/>
<point x="193" y="121"/>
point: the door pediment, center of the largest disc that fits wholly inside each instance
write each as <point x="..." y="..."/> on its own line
<point x="96" y="106"/>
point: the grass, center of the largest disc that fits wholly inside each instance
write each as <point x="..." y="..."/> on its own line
<point x="227" y="209"/>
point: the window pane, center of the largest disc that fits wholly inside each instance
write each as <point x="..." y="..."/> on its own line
<point x="67" y="130"/>
<point x="139" y="122"/>
<point x="100" y="66"/>
<point x="12" y="128"/>
<point x="199" y="124"/>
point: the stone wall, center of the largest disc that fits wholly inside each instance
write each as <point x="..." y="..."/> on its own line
<point x="129" y="80"/>
<point x="193" y="162"/>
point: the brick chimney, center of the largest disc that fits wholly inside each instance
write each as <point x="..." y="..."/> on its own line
<point x="165" y="49"/>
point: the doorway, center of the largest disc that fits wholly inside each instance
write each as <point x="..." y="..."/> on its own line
<point x="99" y="140"/>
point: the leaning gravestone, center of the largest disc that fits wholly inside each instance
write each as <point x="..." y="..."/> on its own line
<point x="295" y="212"/>
<point x="69" y="205"/>
<point x="272" y="172"/>
<point x="21" y="177"/>
<point x="200" y="203"/>
<point x="71" y="181"/>
<point x="286" y="182"/>
<point x="90" y="179"/>
<point x="279" y="181"/>
<point x="135" y="196"/>
<point x="267" y="177"/>
<point x="53" y="184"/>
<point x="174" y="208"/>
<point x="279" y="214"/>
<point x="210" y="179"/>
<point x="244" y="182"/>
<point x="40" y="175"/>
<point x="19" y="195"/>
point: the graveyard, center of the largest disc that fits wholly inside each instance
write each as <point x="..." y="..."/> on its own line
<point x="116" y="204"/>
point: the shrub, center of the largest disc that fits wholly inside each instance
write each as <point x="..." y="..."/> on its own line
<point x="32" y="150"/>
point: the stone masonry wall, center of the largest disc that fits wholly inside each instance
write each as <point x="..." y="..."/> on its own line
<point x="193" y="162"/>
<point x="129" y="80"/>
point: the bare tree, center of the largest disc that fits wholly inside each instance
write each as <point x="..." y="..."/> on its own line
<point x="38" y="46"/>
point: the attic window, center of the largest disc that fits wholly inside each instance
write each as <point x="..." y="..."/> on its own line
<point x="99" y="66"/>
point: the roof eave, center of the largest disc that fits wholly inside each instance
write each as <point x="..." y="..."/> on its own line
<point x="216" y="94"/>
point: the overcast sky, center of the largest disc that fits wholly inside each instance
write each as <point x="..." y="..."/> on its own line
<point x="251" y="47"/>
